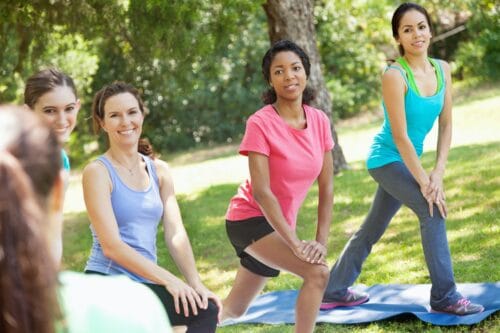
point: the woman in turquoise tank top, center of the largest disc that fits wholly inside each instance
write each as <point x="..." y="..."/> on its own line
<point x="52" y="94"/>
<point x="127" y="193"/>
<point x="416" y="91"/>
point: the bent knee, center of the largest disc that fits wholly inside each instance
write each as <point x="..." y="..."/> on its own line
<point x="212" y="310"/>
<point x="319" y="275"/>
<point x="207" y="318"/>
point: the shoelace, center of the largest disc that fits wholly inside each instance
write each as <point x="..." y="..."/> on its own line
<point x="463" y="301"/>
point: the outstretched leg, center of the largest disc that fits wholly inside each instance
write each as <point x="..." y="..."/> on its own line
<point x="348" y="267"/>
<point x="432" y="229"/>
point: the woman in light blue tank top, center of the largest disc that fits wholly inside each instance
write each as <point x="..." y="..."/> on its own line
<point x="416" y="91"/>
<point x="127" y="193"/>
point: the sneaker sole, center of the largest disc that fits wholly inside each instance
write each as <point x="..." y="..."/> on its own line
<point x="332" y="305"/>
<point x="454" y="313"/>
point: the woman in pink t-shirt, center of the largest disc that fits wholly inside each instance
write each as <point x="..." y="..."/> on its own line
<point x="288" y="144"/>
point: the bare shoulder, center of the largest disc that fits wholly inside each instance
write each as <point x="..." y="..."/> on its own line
<point x="95" y="175"/>
<point x="445" y="65"/>
<point x="94" y="169"/>
<point x="161" y="166"/>
<point x="393" y="76"/>
<point x="163" y="172"/>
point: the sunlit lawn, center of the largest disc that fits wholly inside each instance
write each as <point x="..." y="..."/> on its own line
<point x="473" y="187"/>
<point x="473" y="195"/>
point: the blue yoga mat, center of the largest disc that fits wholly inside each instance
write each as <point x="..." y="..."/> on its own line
<point x="386" y="300"/>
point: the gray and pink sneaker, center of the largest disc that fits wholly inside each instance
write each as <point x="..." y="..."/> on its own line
<point x="351" y="298"/>
<point x="462" y="307"/>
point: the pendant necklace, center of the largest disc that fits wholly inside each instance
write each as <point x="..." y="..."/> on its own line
<point x="130" y="170"/>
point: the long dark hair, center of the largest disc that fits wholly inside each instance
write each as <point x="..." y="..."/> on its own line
<point x="30" y="163"/>
<point x="111" y="90"/>
<point x="269" y="96"/>
<point x="44" y="81"/>
<point x="398" y="15"/>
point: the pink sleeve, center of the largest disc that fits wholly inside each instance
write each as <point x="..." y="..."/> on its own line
<point x="328" y="143"/>
<point x="254" y="139"/>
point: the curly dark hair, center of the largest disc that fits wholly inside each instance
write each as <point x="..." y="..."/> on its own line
<point x="269" y="96"/>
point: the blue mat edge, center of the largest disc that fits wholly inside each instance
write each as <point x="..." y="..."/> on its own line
<point x="444" y="320"/>
<point x="422" y="316"/>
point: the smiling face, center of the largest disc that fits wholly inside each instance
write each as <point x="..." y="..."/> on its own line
<point x="414" y="32"/>
<point x="122" y="119"/>
<point x="287" y="76"/>
<point x="59" y="108"/>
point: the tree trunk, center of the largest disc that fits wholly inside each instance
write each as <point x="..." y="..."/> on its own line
<point x="294" y="20"/>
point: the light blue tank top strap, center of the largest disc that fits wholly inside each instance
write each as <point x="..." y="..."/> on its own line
<point x="111" y="170"/>
<point x="151" y="169"/>
<point x="115" y="178"/>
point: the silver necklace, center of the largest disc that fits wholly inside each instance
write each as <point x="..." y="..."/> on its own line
<point x="131" y="170"/>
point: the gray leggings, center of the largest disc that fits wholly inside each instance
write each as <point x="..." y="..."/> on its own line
<point x="396" y="187"/>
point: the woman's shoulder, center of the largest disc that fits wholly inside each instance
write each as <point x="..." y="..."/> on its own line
<point x="94" y="168"/>
<point x="444" y="65"/>
<point x="160" y="165"/>
<point x="96" y="174"/>
<point x="394" y="74"/>
<point x="315" y="113"/>
<point x="313" y="110"/>
<point x="262" y="114"/>
<point x="162" y="170"/>
<point x="393" y="67"/>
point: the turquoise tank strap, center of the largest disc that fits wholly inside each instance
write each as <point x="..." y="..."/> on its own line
<point x="409" y="73"/>
<point x="439" y="72"/>
<point x="437" y="68"/>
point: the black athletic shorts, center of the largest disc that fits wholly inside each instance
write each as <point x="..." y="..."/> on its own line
<point x="245" y="232"/>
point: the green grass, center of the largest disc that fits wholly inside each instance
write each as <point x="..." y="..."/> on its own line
<point x="473" y="187"/>
<point x="473" y="191"/>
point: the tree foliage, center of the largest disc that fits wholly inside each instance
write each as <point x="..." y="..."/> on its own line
<point x="198" y="61"/>
<point x="352" y="36"/>
<point x="479" y="55"/>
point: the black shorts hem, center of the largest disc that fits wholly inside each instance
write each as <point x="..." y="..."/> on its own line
<point x="245" y="232"/>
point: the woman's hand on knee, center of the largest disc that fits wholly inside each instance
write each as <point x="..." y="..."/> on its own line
<point x="184" y="297"/>
<point x="440" y="202"/>
<point x="438" y="196"/>
<point x="310" y="251"/>
<point x="205" y="295"/>
<point x="298" y="250"/>
<point x="315" y="252"/>
<point x="429" y="192"/>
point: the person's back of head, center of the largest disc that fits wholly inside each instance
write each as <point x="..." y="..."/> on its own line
<point x="29" y="169"/>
